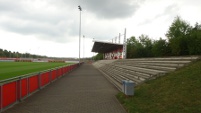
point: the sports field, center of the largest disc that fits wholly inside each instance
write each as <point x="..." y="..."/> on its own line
<point x="13" y="69"/>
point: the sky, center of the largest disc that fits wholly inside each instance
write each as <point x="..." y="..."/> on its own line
<point x="51" y="27"/>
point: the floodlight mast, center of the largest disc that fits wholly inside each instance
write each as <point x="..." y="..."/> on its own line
<point x="83" y="46"/>
<point x="79" y="7"/>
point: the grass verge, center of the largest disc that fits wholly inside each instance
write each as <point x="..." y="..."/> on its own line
<point x="13" y="69"/>
<point x="177" y="92"/>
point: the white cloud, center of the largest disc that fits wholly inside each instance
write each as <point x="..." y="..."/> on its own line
<point x="51" y="27"/>
<point x="111" y="9"/>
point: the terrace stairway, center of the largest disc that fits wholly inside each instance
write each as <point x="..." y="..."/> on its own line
<point x="140" y="69"/>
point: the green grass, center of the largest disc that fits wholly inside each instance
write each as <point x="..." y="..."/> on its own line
<point x="177" y="92"/>
<point x="13" y="69"/>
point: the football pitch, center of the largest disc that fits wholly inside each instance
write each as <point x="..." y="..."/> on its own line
<point x="13" y="69"/>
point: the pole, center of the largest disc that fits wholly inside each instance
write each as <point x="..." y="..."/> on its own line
<point x="119" y="37"/>
<point x="83" y="47"/>
<point x="124" y="46"/>
<point x="79" y="7"/>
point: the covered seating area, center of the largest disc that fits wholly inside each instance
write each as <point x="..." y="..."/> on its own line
<point x="110" y="50"/>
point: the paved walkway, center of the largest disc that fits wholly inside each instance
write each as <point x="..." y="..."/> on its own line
<point x="85" y="90"/>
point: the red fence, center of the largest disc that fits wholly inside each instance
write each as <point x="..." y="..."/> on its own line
<point x="13" y="91"/>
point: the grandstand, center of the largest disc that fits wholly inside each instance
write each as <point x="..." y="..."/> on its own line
<point x="138" y="70"/>
<point x="109" y="50"/>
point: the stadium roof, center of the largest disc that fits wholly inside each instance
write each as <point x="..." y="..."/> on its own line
<point x="105" y="47"/>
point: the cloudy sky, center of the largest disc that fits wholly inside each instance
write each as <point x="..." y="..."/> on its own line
<point x="51" y="27"/>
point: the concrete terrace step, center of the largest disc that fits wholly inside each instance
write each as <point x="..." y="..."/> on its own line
<point x="158" y="61"/>
<point x="113" y="81"/>
<point x="122" y="74"/>
<point x="128" y="76"/>
<point x="101" y="63"/>
<point x="154" y="64"/>
<point x="138" y="75"/>
<point x="113" y="76"/>
<point x="164" y="59"/>
<point x="162" y="68"/>
<point x="140" y="69"/>
<point x="119" y="73"/>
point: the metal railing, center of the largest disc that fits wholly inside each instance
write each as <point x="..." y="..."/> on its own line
<point x="14" y="90"/>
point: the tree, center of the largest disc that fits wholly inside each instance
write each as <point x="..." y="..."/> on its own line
<point x="6" y="53"/>
<point x="194" y="40"/>
<point x="177" y="36"/>
<point x="147" y="44"/>
<point x="134" y="48"/>
<point x="161" y="48"/>
<point x="99" y="56"/>
<point x="1" y="53"/>
<point x="131" y="42"/>
<point x="139" y="48"/>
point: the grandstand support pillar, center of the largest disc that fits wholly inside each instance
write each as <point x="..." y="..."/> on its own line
<point x="124" y="46"/>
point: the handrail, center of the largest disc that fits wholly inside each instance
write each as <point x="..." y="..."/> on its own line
<point x="30" y="74"/>
<point x="21" y="87"/>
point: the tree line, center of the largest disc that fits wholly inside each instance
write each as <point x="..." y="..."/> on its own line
<point x="182" y="39"/>
<point x="8" y="54"/>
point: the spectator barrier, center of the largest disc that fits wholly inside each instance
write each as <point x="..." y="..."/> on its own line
<point x="15" y="89"/>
